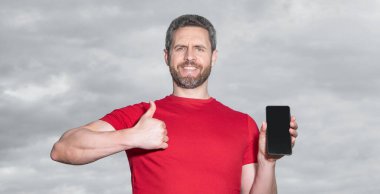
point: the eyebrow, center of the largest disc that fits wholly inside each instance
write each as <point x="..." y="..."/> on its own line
<point x="200" y="46"/>
<point x="179" y="45"/>
<point x="197" y="45"/>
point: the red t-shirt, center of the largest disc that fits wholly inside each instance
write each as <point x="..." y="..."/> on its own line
<point x="208" y="145"/>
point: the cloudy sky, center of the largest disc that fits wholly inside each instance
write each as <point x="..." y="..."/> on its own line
<point x="66" y="63"/>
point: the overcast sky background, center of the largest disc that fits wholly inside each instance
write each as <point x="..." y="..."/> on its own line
<point x="66" y="63"/>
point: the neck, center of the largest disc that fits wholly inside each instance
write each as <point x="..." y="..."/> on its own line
<point x="200" y="92"/>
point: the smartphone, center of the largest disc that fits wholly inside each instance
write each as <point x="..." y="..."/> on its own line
<point x="278" y="139"/>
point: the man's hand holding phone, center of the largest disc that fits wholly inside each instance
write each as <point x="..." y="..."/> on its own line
<point x="278" y="134"/>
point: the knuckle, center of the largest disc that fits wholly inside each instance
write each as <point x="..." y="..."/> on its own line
<point x="162" y="123"/>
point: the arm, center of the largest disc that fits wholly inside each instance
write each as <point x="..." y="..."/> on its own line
<point x="260" y="178"/>
<point x="88" y="143"/>
<point x="99" y="139"/>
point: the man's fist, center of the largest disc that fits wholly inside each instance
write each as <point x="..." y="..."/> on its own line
<point x="150" y="133"/>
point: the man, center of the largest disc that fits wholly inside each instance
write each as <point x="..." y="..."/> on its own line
<point x="212" y="148"/>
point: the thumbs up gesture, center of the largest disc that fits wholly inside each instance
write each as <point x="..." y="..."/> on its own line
<point x="150" y="133"/>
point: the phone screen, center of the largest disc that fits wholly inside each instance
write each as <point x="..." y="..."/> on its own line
<point x="278" y="137"/>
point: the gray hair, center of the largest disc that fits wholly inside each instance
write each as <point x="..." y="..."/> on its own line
<point x="190" y="20"/>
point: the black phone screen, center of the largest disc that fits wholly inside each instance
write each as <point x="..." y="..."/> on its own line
<point x="278" y="138"/>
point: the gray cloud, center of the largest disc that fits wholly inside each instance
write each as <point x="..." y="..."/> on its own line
<point x="63" y="64"/>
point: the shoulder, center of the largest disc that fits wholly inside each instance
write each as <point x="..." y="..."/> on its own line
<point x="138" y="108"/>
<point x="230" y="110"/>
<point x="127" y="116"/>
<point x="237" y="114"/>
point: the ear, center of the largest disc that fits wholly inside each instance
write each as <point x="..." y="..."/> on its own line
<point x="166" y="56"/>
<point x="214" y="57"/>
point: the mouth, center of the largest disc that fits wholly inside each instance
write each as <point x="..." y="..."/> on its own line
<point x="189" y="70"/>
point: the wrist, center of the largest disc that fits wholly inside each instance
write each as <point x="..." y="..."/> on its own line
<point x="264" y="161"/>
<point x="126" y="139"/>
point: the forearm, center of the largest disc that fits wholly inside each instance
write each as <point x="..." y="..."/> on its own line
<point x="265" y="179"/>
<point x="82" y="146"/>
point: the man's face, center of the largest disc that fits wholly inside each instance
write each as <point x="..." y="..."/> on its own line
<point x="190" y="57"/>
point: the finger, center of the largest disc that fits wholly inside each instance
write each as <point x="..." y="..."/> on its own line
<point x="163" y="125"/>
<point x="264" y="127"/>
<point x="293" y="141"/>
<point x="293" y="123"/>
<point x="165" y="139"/>
<point x="164" y="145"/>
<point x="293" y="132"/>
<point x="151" y="110"/>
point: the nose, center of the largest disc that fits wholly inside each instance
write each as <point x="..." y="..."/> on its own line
<point x="190" y="56"/>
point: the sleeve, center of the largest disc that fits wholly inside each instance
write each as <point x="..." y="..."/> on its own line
<point x="251" y="151"/>
<point x="125" y="117"/>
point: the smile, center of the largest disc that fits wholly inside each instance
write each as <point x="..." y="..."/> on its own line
<point x="190" y="68"/>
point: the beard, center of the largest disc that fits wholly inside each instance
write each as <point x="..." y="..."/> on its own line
<point x="190" y="82"/>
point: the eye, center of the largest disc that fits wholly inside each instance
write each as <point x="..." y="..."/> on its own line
<point x="179" y="48"/>
<point x="200" y="49"/>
